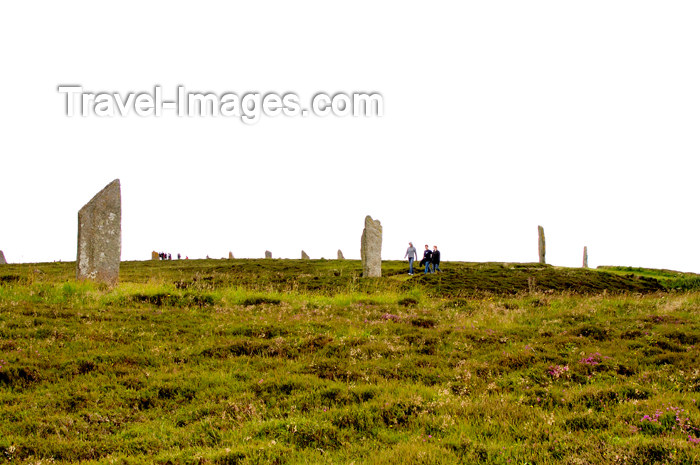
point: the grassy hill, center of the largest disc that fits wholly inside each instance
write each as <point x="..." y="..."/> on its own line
<point x="290" y="361"/>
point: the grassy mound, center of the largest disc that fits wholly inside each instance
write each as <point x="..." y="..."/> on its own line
<point x="329" y="277"/>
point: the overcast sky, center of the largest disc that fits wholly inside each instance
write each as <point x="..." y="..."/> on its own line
<point x="499" y="116"/>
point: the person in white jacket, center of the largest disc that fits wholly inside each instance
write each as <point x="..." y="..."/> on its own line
<point x="412" y="255"/>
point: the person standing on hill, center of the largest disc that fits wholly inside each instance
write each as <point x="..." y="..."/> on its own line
<point x="412" y="254"/>
<point x="427" y="255"/>
<point x="435" y="259"/>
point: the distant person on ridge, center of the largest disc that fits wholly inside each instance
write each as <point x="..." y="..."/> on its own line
<point x="427" y="255"/>
<point x="412" y="254"/>
<point x="435" y="259"/>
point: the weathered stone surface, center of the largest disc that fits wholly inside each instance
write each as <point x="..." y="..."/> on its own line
<point x="268" y="254"/>
<point x="340" y="255"/>
<point x="100" y="236"/>
<point x="585" y="257"/>
<point x="154" y="255"/>
<point x="230" y="255"/>
<point x="2" y="258"/>
<point x="540" y="243"/>
<point x="304" y="256"/>
<point x="371" y="248"/>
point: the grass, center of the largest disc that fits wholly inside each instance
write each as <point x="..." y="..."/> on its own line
<point x="290" y="362"/>
<point x="672" y="280"/>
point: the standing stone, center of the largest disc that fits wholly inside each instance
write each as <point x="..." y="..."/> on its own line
<point x="154" y="255"/>
<point x="371" y="248"/>
<point x="100" y="236"/>
<point x="585" y="257"/>
<point x="540" y="243"/>
<point x="340" y="255"/>
<point x="2" y="258"/>
<point x="304" y="256"/>
<point x="230" y="255"/>
<point x="268" y="254"/>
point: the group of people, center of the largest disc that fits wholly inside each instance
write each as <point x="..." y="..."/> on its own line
<point x="167" y="256"/>
<point x="431" y="259"/>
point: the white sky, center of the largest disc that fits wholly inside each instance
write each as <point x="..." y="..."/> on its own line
<point x="499" y="116"/>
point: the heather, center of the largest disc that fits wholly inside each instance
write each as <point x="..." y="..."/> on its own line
<point x="290" y="362"/>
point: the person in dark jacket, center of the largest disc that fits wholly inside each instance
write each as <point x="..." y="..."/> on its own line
<point x="427" y="256"/>
<point x="435" y="259"/>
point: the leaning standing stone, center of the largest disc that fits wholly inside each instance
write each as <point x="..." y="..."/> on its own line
<point x="100" y="236"/>
<point x="540" y="243"/>
<point x="268" y="254"/>
<point x="230" y="255"/>
<point x="585" y="257"/>
<point x="2" y="258"/>
<point x="154" y="255"/>
<point x="304" y="256"/>
<point x="371" y="248"/>
<point x="340" y="255"/>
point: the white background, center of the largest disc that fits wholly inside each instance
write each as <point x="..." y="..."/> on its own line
<point x="499" y="116"/>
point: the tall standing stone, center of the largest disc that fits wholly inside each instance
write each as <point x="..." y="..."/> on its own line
<point x="340" y="255"/>
<point x="304" y="256"/>
<point x="2" y="258"/>
<point x="371" y="248"/>
<point x="268" y="254"/>
<point x="100" y="236"/>
<point x="585" y="257"/>
<point x="540" y="243"/>
<point x="155" y="256"/>
<point x="230" y="255"/>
